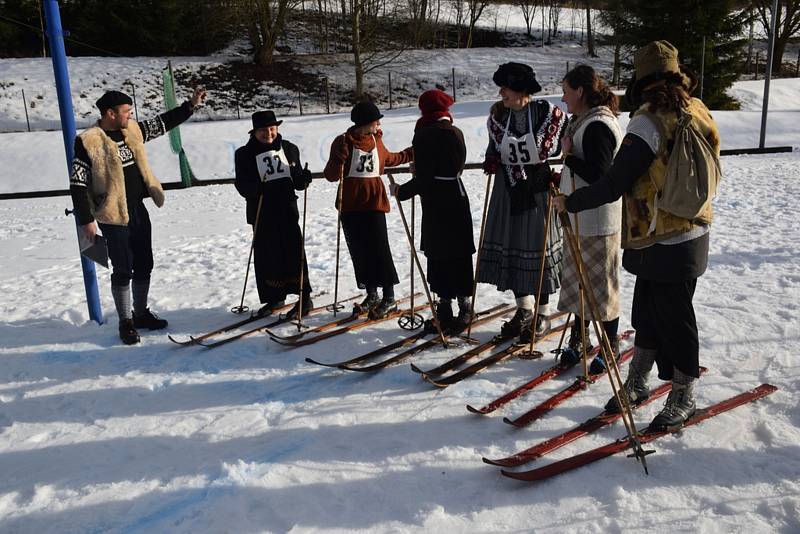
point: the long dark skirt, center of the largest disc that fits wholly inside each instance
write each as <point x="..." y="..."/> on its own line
<point x="277" y="257"/>
<point x="368" y="243"/>
<point x="451" y="278"/>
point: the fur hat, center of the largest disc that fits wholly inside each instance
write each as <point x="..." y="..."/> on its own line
<point x="365" y="113"/>
<point x="112" y="99"/>
<point x="517" y="77"/>
<point x="264" y="119"/>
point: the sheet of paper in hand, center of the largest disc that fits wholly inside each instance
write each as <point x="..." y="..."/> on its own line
<point x="94" y="250"/>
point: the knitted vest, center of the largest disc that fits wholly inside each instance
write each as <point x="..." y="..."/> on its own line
<point x="605" y="219"/>
<point x="638" y="203"/>
<point x="107" y="197"/>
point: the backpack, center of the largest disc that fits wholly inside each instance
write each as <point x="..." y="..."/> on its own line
<point x="693" y="172"/>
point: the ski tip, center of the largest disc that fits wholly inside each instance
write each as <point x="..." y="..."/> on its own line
<point x="475" y="410"/>
<point x="417" y="369"/>
<point x="525" y="476"/>
<point x="512" y="422"/>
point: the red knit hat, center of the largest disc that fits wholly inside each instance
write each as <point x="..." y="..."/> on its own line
<point x="434" y="105"/>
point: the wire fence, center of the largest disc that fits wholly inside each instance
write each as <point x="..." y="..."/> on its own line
<point x="32" y="108"/>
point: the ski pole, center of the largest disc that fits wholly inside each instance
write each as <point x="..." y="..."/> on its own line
<point x="419" y="266"/>
<point x="549" y="215"/>
<point x="335" y="307"/>
<point x="614" y="377"/>
<point x="411" y="320"/>
<point x="302" y="257"/>
<point x="241" y="308"/>
<point x="478" y="256"/>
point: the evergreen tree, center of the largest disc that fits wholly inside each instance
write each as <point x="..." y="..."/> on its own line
<point x="685" y="23"/>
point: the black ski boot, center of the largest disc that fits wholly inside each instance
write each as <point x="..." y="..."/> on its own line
<point x="574" y="351"/>
<point x="636" y="383"/>
<point x="127" y="332"/>
<point x="307" y="305"/>
<point x="444" y="312"/>
<point x="384" y="308"/>
<point x="520" y="322"/>
<point x="364" y="307"/>
<point x="680" y="404"/>
<point x="598" y="364"/>
<point x="542" y="328"/>
<point x="465" y="315"/>
<point x="149" y="320"/>
<point x="269" y="308"/>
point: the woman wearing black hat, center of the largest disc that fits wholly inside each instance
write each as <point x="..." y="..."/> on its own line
<point x="357" y="160"/>
<point x="268" y="171"/>
<point x="523" y="133"/>
<point x="666" y="252"/>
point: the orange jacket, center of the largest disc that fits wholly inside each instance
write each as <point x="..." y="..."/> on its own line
<point x="362" y="194"/>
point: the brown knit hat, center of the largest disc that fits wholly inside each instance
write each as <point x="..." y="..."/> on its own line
<point x="654" y="58"/>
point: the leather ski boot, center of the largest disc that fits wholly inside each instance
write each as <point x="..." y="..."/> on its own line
<point x="127" y="332"/>
<point x="636" y="383"/>
<point x="680" y="404"/>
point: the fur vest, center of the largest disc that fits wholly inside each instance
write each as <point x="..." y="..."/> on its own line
<point x="605" y="219"/>
<point x="107" y="188"/>
<point x="638" y="203"/>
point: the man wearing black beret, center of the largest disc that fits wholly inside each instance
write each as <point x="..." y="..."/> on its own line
<point x="110" y="180"/>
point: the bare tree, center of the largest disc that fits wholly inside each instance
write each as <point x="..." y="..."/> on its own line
<point x="553" y="15"/>
<point x="475" y="9"/>
<point x="265" y="20"/>
<point x="589" y="34"/>
<point x="528" y="8"/>
<point x="787" y="25"/>
<point x="369" y="51"/>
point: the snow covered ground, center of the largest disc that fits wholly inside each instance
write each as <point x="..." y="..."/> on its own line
<point x="98" y="437"/>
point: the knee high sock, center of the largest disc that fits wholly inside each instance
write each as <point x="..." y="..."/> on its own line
<point x="140" y="290"/>
<point x="122" y="301"/>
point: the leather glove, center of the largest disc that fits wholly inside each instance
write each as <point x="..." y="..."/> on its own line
<point x="491" y="164"/>
<point x="305" y="176"/>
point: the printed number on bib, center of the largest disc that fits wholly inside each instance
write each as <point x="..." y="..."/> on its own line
<point x="519" y="153"/>
<point x="272" y="165"/>
<point x="366" y="163"/>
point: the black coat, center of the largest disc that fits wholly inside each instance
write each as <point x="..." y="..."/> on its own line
<point x="279" y="195"/>
<point x="278" y="240"/>
<point x="439" y="150"/>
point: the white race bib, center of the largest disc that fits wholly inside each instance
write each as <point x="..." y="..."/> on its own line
<point x="364" y="164"/>
<point x="273" y="165"/>
<point x="519" y="150"/>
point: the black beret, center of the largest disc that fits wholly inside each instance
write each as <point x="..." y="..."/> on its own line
<point x="112" y="99"/>
<point x="517" y="77"/>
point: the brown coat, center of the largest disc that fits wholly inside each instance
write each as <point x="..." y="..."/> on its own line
<point x="362" y="194"/>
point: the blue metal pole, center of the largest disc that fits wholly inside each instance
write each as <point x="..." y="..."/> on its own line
<point x="55" y="35"/>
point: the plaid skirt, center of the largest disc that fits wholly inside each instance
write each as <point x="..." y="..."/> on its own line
<point x="601" y="256"/>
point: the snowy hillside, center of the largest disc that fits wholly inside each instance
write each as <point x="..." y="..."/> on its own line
<point x="248" y="437"/>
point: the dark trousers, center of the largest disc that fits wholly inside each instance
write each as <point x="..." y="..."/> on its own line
<point x="368" y="243"/>
<point x="130" y="248"/>
<point x="664" y="319"/>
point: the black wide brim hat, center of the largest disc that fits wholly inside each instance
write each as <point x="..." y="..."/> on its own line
<point x="264" y="119"/>
<point x="517" y="77"/>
